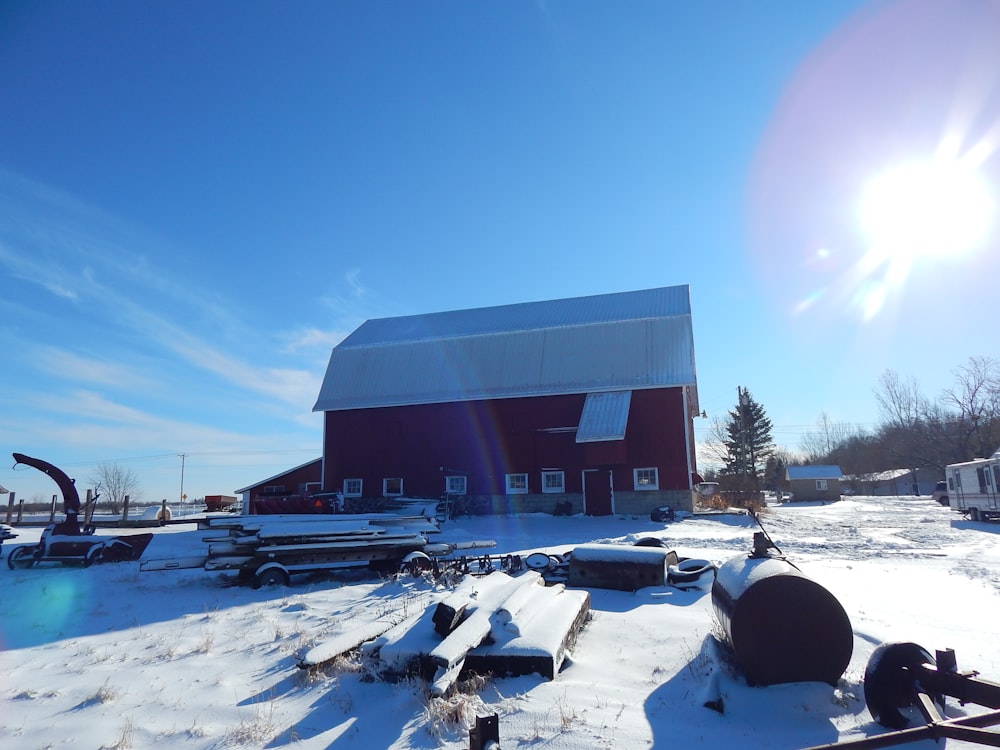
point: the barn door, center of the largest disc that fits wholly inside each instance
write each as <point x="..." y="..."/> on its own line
<point x="598" y="493"/>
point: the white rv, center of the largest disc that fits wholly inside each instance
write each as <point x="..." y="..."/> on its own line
<point x="974" y="487"/>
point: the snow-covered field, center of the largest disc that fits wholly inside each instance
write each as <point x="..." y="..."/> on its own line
<point x="111" y="657"/>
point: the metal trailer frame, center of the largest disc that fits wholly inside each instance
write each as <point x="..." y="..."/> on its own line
<point x="901" y="675"/>
<point x="267" y="550"/>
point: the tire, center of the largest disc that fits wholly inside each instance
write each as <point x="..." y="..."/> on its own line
<point x="649" y="541"/>
<point x="93" y="555"/>
<point x="538" y="561"/>
<point x="891" y="684"/>
<point x="273" y="576"/>
<point x="689" y="571"/>
<point x="21" y="558"/>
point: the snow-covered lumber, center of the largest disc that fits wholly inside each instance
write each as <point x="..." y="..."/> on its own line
<point x="343" y="642"/>
<point x="538" y="644"/>
<point x="473" y="630"/>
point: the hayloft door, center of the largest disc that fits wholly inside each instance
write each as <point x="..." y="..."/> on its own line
<point x="598" y="494"/>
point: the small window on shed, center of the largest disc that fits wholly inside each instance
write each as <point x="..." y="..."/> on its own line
<point x="455" y="485"/>
<point x="517" y="484"/>
<point x="646" y="479"/>
<point x="392" y="487"/>
<point x="821" y="485"/>
<point x="553" y="481"/>
<point x="352" y="487"/>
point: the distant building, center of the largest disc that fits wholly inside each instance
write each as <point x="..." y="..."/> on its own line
<point x="814" y="482"/>
<point x="893" y="482"/>
<point x="573" y="405"/>
<point x="289" y="492"/>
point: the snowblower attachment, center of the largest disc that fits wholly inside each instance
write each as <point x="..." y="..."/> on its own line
<point x="67" y="541"/>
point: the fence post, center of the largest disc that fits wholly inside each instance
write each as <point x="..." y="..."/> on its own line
<point x="88" y="508"/>
<point x="52" y="509"/>
<point x="20" y="511"/>
<point x="10" y="507"/>
<point x="163" y="512"/>
<point x="124" y="510"/>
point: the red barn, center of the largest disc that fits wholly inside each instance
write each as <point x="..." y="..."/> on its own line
<point x="573" y="405"/>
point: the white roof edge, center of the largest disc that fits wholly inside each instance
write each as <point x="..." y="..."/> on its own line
<point x="279" y="474"/>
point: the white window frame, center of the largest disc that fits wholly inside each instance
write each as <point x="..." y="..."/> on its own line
<point x="821" y="485"/>
<point x="348" y="492"/>
<point x="514" y="482"/>
<point x="385" y="487"/>
<point x="553" y="489"/>
<point x="457" y="484"/>
<point x="646" y="486"/>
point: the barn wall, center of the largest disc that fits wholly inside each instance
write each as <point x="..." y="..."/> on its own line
<point x="805" y="489"/>
<point x="292" y="483"/>
<point x="485" y="440"/>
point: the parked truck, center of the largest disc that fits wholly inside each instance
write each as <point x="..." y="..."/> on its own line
<point x="974" y="487"/>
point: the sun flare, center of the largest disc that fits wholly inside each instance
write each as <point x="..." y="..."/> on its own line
<point x="926" y="210"/>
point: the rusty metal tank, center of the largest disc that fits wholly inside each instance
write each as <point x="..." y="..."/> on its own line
<point x="781" y="625"/>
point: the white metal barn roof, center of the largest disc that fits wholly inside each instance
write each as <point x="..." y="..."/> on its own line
<point x="608" y="342"/>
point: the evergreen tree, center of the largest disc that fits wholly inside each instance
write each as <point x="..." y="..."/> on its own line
<point x="747" y="441"/>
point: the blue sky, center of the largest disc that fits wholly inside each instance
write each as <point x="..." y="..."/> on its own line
<point x="199" y="199"/>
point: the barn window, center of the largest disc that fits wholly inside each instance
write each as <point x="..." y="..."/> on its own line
<point x="646" y="479"/>
<point x="352" y="488"/>
<point x="392" y="487"/>
<point x="455" y="485"/>
<point x="821" y="485"/>
<point x="517" y="484"/>
<point x="553" y="481"/>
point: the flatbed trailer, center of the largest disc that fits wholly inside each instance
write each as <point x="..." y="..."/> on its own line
<point x="268" y="550"/>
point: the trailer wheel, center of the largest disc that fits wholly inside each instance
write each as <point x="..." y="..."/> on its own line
<point x="21" y="557"/>
<point x="890" y="683"/>
<point x="93" y="555"/>
<point x="274" y="575"/>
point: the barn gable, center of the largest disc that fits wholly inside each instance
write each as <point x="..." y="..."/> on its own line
<point x="609" y="342"/>
<point x="581" y="403"/>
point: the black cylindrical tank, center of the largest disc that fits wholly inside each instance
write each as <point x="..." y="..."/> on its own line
<point x="782" y="625"/>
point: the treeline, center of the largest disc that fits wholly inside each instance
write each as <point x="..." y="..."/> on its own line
<point x="915" y="431"/>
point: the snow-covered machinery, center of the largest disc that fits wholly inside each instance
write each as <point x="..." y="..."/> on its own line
<point x="68" y="541"/>
<point x="268" y="549"/>
<point x="904" y="683"/>
<point x="782" y="625"/>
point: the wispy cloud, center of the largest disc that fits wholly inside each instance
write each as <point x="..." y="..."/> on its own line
<point x="68" y="365"/>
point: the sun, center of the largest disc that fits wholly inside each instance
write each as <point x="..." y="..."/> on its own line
<point x="926" y="210"/>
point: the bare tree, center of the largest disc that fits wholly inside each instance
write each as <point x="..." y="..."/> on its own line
<point x="901" y="402"/>
<point x="114" y="482"/>
<point x="975" y="401"/>
<point x="819" y="445"/>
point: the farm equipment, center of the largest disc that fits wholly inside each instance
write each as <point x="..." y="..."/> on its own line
<point x="67" y="541"/>
<point x="269" y="549"/>
<point x="782" y="626"/>
<point x="903" y="679"/>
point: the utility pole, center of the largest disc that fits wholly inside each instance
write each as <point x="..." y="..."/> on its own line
<point x="183" y="457"/>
